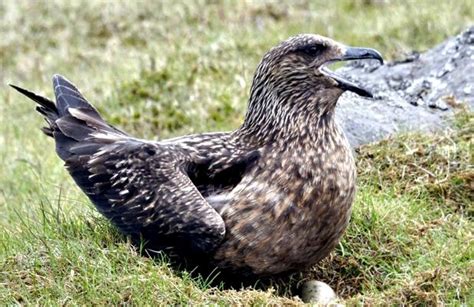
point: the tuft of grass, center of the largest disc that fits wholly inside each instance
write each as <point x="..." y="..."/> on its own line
<point x="161" y="69"/>
<point x="438" y="169"/>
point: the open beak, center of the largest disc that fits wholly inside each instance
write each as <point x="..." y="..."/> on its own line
<point x="352" y="53"/>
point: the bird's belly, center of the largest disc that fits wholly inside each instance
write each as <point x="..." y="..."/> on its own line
<point x="283" y="233"/>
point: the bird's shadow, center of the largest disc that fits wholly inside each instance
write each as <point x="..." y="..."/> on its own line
<point x="197" y="269"/>
<point x="204" y="275"/>
<point x="334" y="270"/>
<point x="342" y="273"/>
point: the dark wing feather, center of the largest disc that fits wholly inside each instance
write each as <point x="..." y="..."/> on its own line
<point x="141" y="187"/>
<point x="46" y="107"/>
<point x="224" y="171"/>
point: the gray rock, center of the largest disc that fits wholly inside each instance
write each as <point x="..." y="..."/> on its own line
<point x="439" y="104"/>
<point x="408" y="93"/>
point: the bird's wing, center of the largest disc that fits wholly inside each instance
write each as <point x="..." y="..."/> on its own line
<point x="144" y="190"/>
<point x="142" y="187"/>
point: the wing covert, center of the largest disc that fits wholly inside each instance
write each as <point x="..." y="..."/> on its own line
<point x="144" y="190"/>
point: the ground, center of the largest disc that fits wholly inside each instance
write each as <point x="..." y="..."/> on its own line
<point x="165" y="69"/>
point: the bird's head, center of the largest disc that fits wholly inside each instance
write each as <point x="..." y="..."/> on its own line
<point x="293" y="81"/>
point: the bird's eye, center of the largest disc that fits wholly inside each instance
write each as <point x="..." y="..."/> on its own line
<point x="311" y="50"/>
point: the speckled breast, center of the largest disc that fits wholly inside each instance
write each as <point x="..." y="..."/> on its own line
<point x="290" y="211"/>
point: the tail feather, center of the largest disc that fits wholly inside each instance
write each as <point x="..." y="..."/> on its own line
<point x="72" y="121"/>
<point x="45" y="106"/>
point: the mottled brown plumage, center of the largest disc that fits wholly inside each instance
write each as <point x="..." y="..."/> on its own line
<point x="271" y="197"/>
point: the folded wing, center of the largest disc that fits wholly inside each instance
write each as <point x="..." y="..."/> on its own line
<point x="142" y="187"/>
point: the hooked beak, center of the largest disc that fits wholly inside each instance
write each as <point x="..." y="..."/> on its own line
<point x="353" y="53"/>
<point x="356" y="53"/>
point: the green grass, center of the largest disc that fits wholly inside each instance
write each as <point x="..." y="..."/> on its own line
<point x="159" y="70"/>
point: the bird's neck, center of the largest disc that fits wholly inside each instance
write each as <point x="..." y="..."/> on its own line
<point x="296" y="118"/>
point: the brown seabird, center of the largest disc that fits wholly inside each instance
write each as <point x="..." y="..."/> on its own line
<point x="273" y="196"/>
